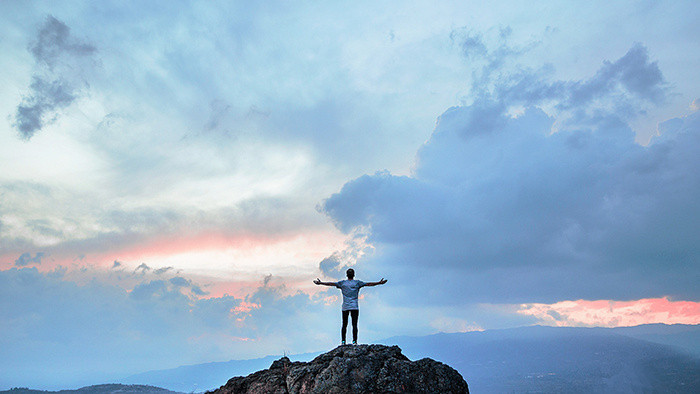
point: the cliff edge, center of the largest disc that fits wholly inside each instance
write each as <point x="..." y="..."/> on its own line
<point x="352" y="369"/>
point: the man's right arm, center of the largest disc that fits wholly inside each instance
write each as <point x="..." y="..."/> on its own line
<point x="318" y="282"/>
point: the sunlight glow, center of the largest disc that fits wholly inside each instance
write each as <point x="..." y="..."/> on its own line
<point x="610" y="313"/>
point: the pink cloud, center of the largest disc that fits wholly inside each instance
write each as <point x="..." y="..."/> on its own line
<point x="174" y="244"/>
<point x="610" y="313"/>
<point x="148" y="247"/>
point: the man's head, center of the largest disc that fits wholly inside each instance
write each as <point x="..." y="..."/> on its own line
<point x="350" y="273"/>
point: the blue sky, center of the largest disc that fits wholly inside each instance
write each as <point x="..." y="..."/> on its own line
<point x="174" y="175"/>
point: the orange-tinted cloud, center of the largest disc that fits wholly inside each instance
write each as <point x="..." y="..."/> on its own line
<point x="610" y="313"/>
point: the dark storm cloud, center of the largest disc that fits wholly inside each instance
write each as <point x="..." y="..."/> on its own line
<point x="56" y="82"/>
<point x="26" y="259"/>
<point x="500" y="209"/>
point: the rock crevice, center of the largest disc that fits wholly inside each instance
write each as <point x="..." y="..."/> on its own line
<point x="351" y="369"/>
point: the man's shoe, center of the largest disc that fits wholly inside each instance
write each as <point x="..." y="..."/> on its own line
<point x="354" y="342"/>
<point x="342" y="343"/>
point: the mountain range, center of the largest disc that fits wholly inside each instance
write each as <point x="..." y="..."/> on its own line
<point x="655" y="357"/>
<point x="646" y="358"/>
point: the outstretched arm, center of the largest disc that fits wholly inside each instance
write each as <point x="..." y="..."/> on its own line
<point x="318" y="282"/>
<point x="381" y="282"/>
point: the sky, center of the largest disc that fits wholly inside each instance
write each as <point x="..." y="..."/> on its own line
<point x="173" y="175"/>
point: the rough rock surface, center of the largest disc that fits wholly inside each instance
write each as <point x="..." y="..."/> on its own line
<point x="352" y="369"/>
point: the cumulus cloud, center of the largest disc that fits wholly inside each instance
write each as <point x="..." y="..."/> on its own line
<point x="56" y="82"/>
<point x="556" y="202"/>
<point x="26" y="259"/>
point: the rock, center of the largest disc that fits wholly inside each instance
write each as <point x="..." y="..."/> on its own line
<point x="352" y="369"/>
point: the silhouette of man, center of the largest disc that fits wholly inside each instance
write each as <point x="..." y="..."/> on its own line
<point x="351" y="290"/>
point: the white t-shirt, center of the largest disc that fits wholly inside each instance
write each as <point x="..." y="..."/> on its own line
<point x="350" y="289"/>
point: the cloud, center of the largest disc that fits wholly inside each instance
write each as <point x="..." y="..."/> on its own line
<point x="153" y="289"/>
<point x="196" y="290"/>
<point x="488" y="54"/>
<point x="45" y="96"/>
<point x="695" y="105"/>
<point x="556" y="202"/>
<point x="332" y="265"/>
<point x="179" y="281"/>
<point x="56" y="82"/>
<point x="156" y="324"/>
<point x="339" y="261"/>
<point x="54" y="41"/>
<point x="26" y="259"/>
<point x="624" y="84"/>
<point x="162" y="270"/>
<point x="633" y="73"/>
<point x="143" y="267"/>
<point x="116" y="264"/>
<point x="134" y="235"/>
<point x="499" y="82"/>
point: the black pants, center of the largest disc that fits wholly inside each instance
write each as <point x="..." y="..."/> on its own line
<point x="354" y="314"/>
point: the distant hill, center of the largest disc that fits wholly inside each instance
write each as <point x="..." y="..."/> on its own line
<point x="203" y="377"/>
<point x="683" y="337"/>
<point x="554" y="359"/>
<point x="661" y="358"/>
<point x="98" y="389"/>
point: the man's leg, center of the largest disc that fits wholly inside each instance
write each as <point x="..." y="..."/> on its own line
<point x="345" y="325"/>
<point x="355" y="315"/>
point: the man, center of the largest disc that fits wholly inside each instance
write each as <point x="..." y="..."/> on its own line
<point x="350" y="289"/>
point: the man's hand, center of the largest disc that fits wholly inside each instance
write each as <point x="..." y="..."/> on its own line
<point x="317" y="281"/>
<point x="381" y="282"/>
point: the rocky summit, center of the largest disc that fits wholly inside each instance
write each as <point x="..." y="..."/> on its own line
<point x="352" y="369"/>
